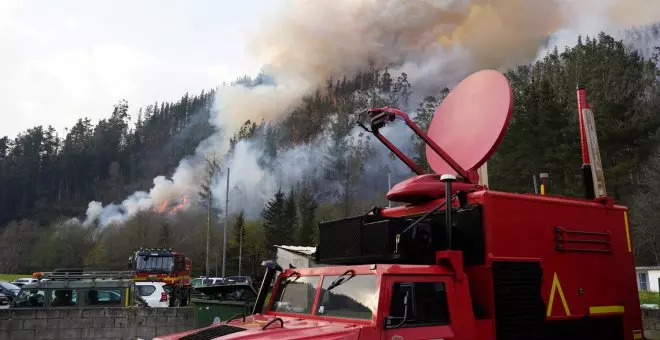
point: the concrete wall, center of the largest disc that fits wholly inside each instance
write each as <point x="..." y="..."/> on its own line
<point x="93" y="323"/>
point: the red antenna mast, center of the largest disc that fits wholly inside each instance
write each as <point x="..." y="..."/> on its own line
<point x="592" y="168"/>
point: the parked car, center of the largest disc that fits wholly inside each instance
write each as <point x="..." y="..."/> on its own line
<point x="207" y="281"/>
<point x="4" y="300"/>
<point x="153" y="293"/>
<point x="24" y="280"/>
<point x="239" y="279"/>
<point x="9" y="290"/>
<point x="69" y="288"/>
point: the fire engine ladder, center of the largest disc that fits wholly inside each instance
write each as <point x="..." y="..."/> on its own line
<point x="80" y="275"/>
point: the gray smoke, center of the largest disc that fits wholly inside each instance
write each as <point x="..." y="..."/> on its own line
<point x="436" y="42"/>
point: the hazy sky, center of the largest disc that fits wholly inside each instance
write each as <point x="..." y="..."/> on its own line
<point x="65" y="59"/>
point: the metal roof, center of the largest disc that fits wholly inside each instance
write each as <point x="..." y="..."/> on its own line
<point x="307" y="251"/>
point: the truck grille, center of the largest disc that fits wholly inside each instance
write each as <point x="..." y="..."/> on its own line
<point x="519" y="307"/>
<point x="212" y="333"/>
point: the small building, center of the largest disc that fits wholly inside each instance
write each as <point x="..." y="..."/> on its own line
<point x="297" y="256"/>
<point x="648" y="278"/>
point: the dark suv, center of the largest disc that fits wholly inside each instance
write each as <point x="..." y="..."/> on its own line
<point x="8" y="292"/>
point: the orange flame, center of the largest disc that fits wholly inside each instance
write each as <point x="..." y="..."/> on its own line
<point x="168" y="208"/>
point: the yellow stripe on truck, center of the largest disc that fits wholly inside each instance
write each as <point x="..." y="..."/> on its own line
<point x="605" y="309"/>
<point x="625" y="221"/>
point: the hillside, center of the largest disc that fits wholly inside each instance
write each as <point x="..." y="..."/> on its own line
<point x="314" y="164"/>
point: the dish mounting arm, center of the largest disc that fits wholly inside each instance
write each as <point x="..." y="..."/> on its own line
<point x="379" y="117"/>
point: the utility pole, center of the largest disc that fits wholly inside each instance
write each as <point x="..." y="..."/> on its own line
<point x="224" y="238"/>
<point x="240" y="251"/>
<point x="208" y="231"/>
<point x="206" y="194"/>
<point x="240" y="240"/>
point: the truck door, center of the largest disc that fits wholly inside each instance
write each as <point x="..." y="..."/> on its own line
<point x="417" y="307"/>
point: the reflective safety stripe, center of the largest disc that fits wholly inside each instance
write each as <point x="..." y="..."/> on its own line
<point x="556" y="286"/>
<point x="625" y="221"/>
<point x="605" y="309"/>
<point x="127" y="293"/>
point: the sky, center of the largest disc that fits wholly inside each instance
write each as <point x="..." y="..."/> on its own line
<point x="67" y="59"/>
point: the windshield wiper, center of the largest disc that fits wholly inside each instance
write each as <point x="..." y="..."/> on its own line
<point x="341" y="279"/>
<point x="285" y="281"/>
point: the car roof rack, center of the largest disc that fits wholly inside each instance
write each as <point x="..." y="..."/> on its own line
<point x="77" y="274"/>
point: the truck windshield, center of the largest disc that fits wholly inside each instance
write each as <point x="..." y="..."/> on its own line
<point x="353" y="298"/>
<point x="154" y="263"/>
<point x="295" y="294"/>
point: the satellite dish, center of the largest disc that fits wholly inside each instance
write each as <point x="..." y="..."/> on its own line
<point x="471" y="121"/>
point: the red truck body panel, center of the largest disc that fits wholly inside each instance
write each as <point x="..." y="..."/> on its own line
<point x="593" y="278"/>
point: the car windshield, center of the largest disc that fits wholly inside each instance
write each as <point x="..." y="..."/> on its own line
<point x="155" y="263"/>
<point x="348" y="296"/>
<point x="30" y="298"/>
<point x="10" y="287"/>
<point x="238" y="279"/>
<point x="145" y="290"/>
<point x="295" y="294"/>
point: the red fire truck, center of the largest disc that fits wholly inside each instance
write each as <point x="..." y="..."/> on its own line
<point x="164" y="265"/>
<point x="457" y="260"/>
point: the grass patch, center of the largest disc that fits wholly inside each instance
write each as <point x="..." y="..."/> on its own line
<point x="649" y="298"/>
<point x="12" y="277"/>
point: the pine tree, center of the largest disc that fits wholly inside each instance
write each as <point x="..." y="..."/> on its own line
<point x="307" y="206"/>
<point x="290" y="220"/>
<point x="273" y="220"/>
<point x="164" y="237"/>
<point x="237" y="228"/>
<point x="238" y="236"/>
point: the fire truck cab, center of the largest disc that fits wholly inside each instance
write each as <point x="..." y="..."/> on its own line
<point x="164" y="265"/>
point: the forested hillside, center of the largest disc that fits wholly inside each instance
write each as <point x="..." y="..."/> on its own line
<point x="46" y="179"/>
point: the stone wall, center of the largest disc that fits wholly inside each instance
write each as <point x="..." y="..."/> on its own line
<point x="651" y="320"/>
<point x="144" y="323"/>
<point x="93" y="323"/>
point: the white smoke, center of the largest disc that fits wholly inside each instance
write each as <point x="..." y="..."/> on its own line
<point x="252" y="185"/>
<point x="436" y="42"/>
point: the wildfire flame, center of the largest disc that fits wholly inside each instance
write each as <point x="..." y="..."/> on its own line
<point x="172" y="206"/>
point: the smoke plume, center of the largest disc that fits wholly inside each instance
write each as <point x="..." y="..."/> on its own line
<point x="436" y="42"/>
